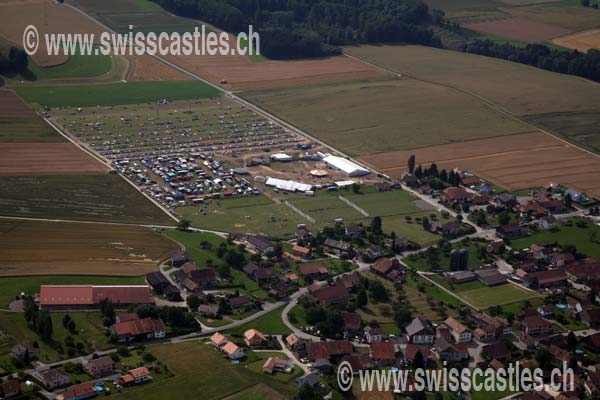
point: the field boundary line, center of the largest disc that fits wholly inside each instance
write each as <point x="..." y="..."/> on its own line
<point x="487" y="102"/>
<point x="300" y="212"/>
<point x="424" y="276"/>
<point x="98" y="157"/>
<point x="356" y="207"/>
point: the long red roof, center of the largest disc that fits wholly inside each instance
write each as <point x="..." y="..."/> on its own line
<point x="89" y="294"/>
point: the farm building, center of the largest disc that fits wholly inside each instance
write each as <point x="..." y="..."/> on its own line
<point x="346" y="166"/>
<point x="89" y="296"/>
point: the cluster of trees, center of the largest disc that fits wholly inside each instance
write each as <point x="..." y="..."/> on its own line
<point x="438" y="179"/>
<point x="585" y="65"/>
<point x="69" y="323"/>
<point x="175" y="317"/>
<point x="37" y="320"/>
<point x="314" y="28"/>
<point x="14" y="61"/>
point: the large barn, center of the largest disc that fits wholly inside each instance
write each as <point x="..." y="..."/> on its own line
<point x="89" y="296"/>
<point x="346" y="166"/>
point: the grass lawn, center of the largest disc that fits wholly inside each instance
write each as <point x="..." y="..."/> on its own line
<point x="419" y="299"/>
<point x="269" y="324"/>
<point x="115" y="93"/>
<point x="257" y="365"/>
<point x="276" y="220"/>
<point x="507" y="293"/>
<point x="89" y="331"/>
<point x="192" y="240"/>
<point x="587" y="240"/>
<point x="201" y="372"/>
<point x="77" y="66"/>
<point x="420" y="261"/>
<point x="12" y="286"/>
<point x="259" y="391"/>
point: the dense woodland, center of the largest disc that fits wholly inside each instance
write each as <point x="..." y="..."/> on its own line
<point x="314" y="28"/>
<point x="13" y="60"/>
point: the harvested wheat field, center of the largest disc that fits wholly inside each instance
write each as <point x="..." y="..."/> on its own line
<point x="236" y="72"/>
<point x="518" y="29"/>
<point x="21" y="124"/>
<point x="513" y="162"/>
<point x="47" y="159"/>
<point x="52" y="248"/>
<point x="572" y="17"/>
<point x="48" y="17"/>
<point x="582" y="41"/>
<point x="147" y="68"/>
<point x="517" y="88"/>
<point x="393" y="114"/>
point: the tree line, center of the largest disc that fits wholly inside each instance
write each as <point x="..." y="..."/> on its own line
<point x="314" y="28"/>
<point x="13" y="61"/>
<point x="585" y="65"/>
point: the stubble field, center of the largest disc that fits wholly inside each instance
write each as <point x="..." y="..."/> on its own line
<point x="582" y="41"/>
<point x="399" y="114"/>
<point x="514" y="162"/>
<point x="51" y="248"/>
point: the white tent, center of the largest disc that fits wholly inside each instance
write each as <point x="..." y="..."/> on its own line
<point x="346" y="166"/>
<point x="290" y="186"/>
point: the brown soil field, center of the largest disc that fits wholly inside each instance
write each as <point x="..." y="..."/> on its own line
<point x="47" y="159"/>
<point x="575" y="18"/>
<point x="518" y="29"/>
<point x="582" y="41"/>
<point x="147" y="68"/>
<point x="21" y="124"/>
<point x="513" y="162"/>
<point x="393" y="114"/>
<point x="241" y="73"/>
<point x="48" y="17"/>
<point x="516" y="88"/>
<point x="51" y="248"/>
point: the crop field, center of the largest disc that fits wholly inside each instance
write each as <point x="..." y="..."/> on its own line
<point x="144" y="15"/>
<point x="582" y="41"/>
<point x="581" y="128"/>
<point x="514" y="162"/>
<point x="569" y="15"/>
<point x="20" y="124"/>
<point x="145" y="68"/>
<point x="47" y="159"/>
<point x="199" y="370"/>
<point x="397" y="114"/>
<point x="115" y="93"/>
<point x="92" y="197"/>
<point x="48" y="17"/>
<point x="242" y="73"/>
<point x="52" y="248"/>
<point x="518" y="28"/>
<point x="216" y="125"/>
<point x="517" y="88"/>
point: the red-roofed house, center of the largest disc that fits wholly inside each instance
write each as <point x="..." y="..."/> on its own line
<point x="89" y="296"/>
<point x="331" y="296"/>
<point x="454" y="195"/>
<point x="78" y="392"/>
<point x="139" y="329"/>
<point x="383" y="353"/>
<point x="135" y="376"/>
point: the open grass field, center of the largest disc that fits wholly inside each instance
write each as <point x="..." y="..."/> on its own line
<point x="14" y="330"/>
<point x="420" y="262"/>
<point x="582" y="41"/>
<point x="581" y="128"/>
<point x="11" y="286"/>
<point x="91" y="197"/>
<point x="47" y="159"/>
<point x="484" y="297"/>
<point x="20" y="124"/>
<point x="269" y="324"/>
<point x="201" y="372"/>
<point x="115" y="93"/>
<point x="514" y="87"/>
<point x="587" y="240"/>
<point x="514" y="162"/>
<point x="276" y="220"/>
<point x="52" y="248"/>
<point x="398" y="114"/>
